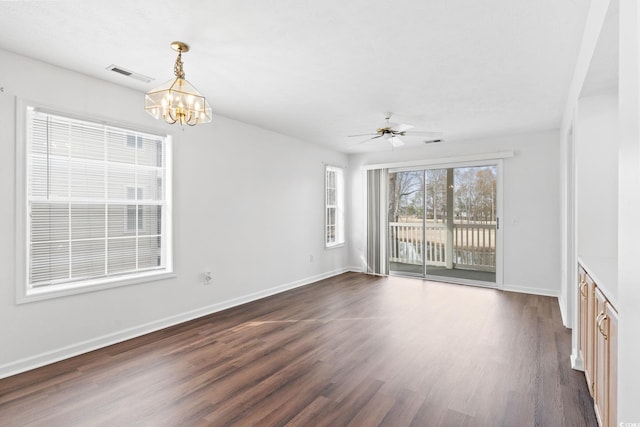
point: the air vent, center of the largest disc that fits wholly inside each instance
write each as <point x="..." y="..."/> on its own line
<point x="128" y="73"/>
<point x="118" y="70"/>
<point x="432" y="141"/>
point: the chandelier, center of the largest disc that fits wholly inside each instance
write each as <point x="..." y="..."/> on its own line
<point x="177" y="101"/>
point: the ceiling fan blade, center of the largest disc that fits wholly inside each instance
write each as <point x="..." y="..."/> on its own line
<point x="400" y="127"/>
<point x="362" y="134"/>
<point x="421" y="133"/>
<point x="367" y="140"/>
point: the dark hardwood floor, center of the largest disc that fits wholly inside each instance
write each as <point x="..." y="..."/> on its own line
<point x="354" y="350"/>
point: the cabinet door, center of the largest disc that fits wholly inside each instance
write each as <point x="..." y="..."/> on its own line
<point x="612" y="339"/>
<point x="601" y="388"/>
<point x="582" y="295"/>
<point x="589" y="367"/>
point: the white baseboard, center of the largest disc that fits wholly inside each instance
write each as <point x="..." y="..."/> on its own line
<point x="67" y="352"/>
<point x="563" y="312"/>
<point x="533" y="291"/>
<point x="355" y="269"/>
<point x="577" y="362"/>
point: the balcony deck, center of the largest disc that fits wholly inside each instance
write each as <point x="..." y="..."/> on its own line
<point x="457" y="273"/>
<point x="471" y="248"/>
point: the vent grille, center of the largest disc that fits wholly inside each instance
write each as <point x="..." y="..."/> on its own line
<point x="129" y="73"/>
<point x="118" y="70"/>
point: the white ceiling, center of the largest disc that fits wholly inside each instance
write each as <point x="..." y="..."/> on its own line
<point x="321" y="70"/>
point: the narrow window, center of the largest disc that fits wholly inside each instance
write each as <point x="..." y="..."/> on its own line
<point x="334" y="206"/>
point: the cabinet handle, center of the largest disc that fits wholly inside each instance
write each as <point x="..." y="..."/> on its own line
<point x="601" y="325"/>
<point x="581" y="288"/>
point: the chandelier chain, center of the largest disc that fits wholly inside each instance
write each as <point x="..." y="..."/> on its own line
<point x="177" y="69"/>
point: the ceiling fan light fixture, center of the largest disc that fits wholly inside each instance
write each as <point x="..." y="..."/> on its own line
<point x="177" y="100"/>
<point x="395" y="141"/>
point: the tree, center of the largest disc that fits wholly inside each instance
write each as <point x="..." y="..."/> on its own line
<point x="436" y="202"/>
<point x="405" y="194"/>
<point x="485" y="189"/>
<point x="475" y="193"/>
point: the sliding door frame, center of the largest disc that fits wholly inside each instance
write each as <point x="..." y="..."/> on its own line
<point x="453" y="163"/>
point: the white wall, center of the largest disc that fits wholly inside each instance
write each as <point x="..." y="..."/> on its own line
<point x="628" y="208"/>
<point x="596" y="135"/>
<point x="569" y="292"/>
<point x="531" y="210"/>
<point x="628" y="191"/>
<point x="596" y="157"/>
<point x="248" y="205"/>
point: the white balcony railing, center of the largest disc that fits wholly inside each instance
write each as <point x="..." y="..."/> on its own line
<point x="474" y="245"/>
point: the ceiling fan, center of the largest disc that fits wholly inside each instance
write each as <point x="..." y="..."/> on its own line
<point x="393" y="131"/>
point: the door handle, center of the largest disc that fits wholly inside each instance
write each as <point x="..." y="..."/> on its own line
<point x="601" y="325"/>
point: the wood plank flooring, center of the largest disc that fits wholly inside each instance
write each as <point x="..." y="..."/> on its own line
<point x="353" y="350"/>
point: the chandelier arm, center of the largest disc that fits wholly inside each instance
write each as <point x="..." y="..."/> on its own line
<point x="170" y="116"/>
<point x="192" y="117"/>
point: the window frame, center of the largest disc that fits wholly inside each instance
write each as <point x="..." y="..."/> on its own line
<point x="24" y="291"/>
<point x="339" y="222"/>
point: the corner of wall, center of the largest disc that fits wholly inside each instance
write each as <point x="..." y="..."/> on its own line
<point x="562" y="302"/>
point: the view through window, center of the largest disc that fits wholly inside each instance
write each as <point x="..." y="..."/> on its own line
<point x="442" y="222"/>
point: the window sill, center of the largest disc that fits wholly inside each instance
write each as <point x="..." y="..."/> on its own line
<point x="57" y="291"/>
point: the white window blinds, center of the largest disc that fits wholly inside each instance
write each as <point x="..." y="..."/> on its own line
<point x="96" y="201"/>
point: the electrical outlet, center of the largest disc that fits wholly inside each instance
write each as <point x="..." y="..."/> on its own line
<point x="207" y="278"/>
<point x="310" y="258"/>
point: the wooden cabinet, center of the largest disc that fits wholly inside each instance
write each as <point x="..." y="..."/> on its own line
<point x="587" y="290"/>
<point x="611" y="323"/>
<point x="583" y="295"/>
<point x="606" y="370"/>
<point x="598" y="345"/>
<point x="601" y="380"/>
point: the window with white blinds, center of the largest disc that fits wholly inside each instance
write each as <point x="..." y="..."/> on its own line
<point x="334" y="206"/>
<point x="97" y="206"/>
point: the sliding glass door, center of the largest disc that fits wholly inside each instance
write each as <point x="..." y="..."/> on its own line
<point x="443" y="223"/>
<point x="406" y="222"/>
